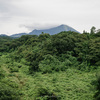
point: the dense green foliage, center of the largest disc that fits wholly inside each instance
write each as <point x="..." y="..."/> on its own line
<point x="50" y="67"/>
<point x="97" y="94"/>
<point x="84" y="48"/>
<point x="4" y="43"/>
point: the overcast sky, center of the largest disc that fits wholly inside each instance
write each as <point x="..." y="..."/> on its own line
<point x="18" y="16"/>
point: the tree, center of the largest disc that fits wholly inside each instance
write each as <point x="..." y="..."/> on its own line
<point x="98" y="31"/>
<point x="93" y="30"/>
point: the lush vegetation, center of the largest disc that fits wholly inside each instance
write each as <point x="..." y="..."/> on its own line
<point x="4" y="43"/>
<point x="63" y="66"/>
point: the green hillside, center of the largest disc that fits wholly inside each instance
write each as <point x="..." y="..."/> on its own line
<point x="64" y="66"/>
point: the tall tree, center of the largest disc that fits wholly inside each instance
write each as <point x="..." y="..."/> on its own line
<point x="92" y="30"/>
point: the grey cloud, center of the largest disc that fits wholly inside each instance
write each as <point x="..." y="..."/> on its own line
<point x="39" y="14"/>
<point x="6" y="6"/>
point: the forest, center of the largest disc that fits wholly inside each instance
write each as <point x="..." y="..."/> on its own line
<point x="63" y="66"/>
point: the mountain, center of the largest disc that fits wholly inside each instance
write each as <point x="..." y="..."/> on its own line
<point x="18" y="35"/>
<point x="54" y="30"/>
<point x="51" y="31"/>
<point x="3" y="35"/>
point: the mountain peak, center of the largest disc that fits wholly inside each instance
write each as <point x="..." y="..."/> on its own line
<point x="63" y="25"/>
<point x="51" y="31"/>
<point x="54" y="30"/>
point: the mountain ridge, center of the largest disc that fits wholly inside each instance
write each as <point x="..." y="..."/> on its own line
<point x="18" y="35"/>
<point x="51" y="31"/>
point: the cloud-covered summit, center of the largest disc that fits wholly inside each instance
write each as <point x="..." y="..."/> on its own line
<point x="53" y="30"/>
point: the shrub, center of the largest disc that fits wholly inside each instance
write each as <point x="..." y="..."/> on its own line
<point x="8" y="93"/>
<point x="43" y="93"/>
<point x="49" y="64"/>
<point x="97" y="94"/>
<point x="2" y="73"/>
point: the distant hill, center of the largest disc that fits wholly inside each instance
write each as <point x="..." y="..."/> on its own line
<point x="3" y="35"/>
<point x="54" y="30"/>
<point x="18" y="35"/>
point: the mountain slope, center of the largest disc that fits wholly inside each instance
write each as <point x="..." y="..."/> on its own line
<point x="51" y="31"/>
<point x="3" y="35"/>
<point x="54" y="30"/>
<point x="18" y="35"/>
